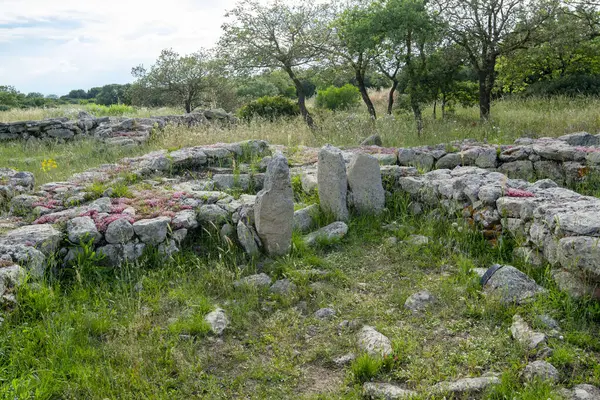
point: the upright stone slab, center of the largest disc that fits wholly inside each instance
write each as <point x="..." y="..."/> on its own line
<point x="364" y="179"/>
<point x="332" y="182"/>
<point x="274" y="208"/>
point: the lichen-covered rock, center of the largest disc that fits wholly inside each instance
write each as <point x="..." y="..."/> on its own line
<point x="364" y="180"/>
<point x="152" y="231"/>
<point x="248" y="239"/>
<point x="117" y="254"/>
<point x="335" y="231"/>
<point x="45" y="237"/>
<point x="119" y="231"/>
<point x="466" y="385"/>
<point x="374" y="342"/>
<point x="541" y="370"/>
<point x="526" y="336"/>
<point x="185" y="219"/>
<point x="10" y="276"/>
<point x="212" y="213"/>
<point x="82" y="229"/>
<point x="304" y="219"/>
<point x="218" y="321"/>
<point x="419" y="301"/>
<point x="274" y="208"/>
<point x="333" y="183"/>
<point x="511" y="285"/>
<point x="386" y="391"/>
<point x="283" y="287"/>
<point x="261" y="280"/>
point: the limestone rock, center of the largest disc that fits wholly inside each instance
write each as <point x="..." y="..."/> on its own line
<point x="274" y="208"/>
<point x="185" y="219"/>
<point x="248" y="239"/>
<point x="581" y="392"/>
<point x="417" y="240"/>
<point x="541" y="370"/>
<point x="212" y="214"/>
<point x="283" y="287"/>
<point x="344" y="360"/>
<point x="373" y="342"/>
<point x="152" y="231"/>
<point x="466" y="385"/>
<point x="304" y="219"/>
<point x="523" y="334"/>
<point x="419" y="301"/>
<point x="43" y="237"/>
<point x="117" y="254"/>
<point x="119" y="232"/>
<point x="333" y="183"/>
<point x="334" y="231"/>
<point x="386" y="391"/>
<point x="325" y="313"/>
<point x="261" y="280"/>
<point x="82" y="229"/>
<point x="511" y="285"/>
<point x="218" y="321"/>
<point x="364" y="179"/>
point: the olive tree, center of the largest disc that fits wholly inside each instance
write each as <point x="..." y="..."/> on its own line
<point x="261" y="36"/>
<point x="175" y="79"/>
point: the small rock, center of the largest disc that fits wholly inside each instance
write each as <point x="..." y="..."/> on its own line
<point x="325" y="313"/>
<point x="417" y="240"/>
<point x="304" y="219"/>
<point x="391" y="241"/>
<point x="581" y="392"/>
<point x="218" y="321"/>
<point x="152" y="231"/>
<point x="466" y="385"/>
<point x="541" y="370"/>
<point x="510" y="284"/>
<point x="419" y="301"/>
<point x="261" y="280"/>
<point x="373" y="342"/>
<point x="283" y="286"/>
<point x="387" y="391"/>
<point x="344" y="360"/>
<point x="523" y="334"/>
<point x="548" y="321"/>
<point x="82" y="229"/>
<point x="119" y="232"/>
<point x="337" y="230"/>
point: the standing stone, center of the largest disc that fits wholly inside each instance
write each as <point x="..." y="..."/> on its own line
<point x="274" y="208"/>
<point x="332" y="182"/>
<point x="364" y="178"/>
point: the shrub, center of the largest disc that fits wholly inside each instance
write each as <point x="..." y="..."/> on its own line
<point x="571" y="85"/>
<point x="269" y="107"/>
<point x="342" y="98"/>
<point x="114" y="110"/>
<point x="4" y="107"/>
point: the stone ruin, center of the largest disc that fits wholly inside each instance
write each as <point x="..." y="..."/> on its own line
<point x="175" y="194"/>
<point x="112" y="130"/>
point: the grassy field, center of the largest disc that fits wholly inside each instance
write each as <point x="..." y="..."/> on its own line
<point x="511" y="119"/>
<point x="138" y="332"/>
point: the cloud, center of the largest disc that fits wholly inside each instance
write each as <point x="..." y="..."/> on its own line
<point x="56" y="46"/>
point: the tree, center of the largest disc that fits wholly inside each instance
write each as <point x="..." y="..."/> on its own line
<point x="180" y="80"/>
<point x="276" y="35"/>
<point x="356" y="42"/>
<point x="77" y="94"/>
<point x="114" y="94"/>
<point x="9" y="96"/>
<point x="488" y="29"/>
<point x="412" y="32"/>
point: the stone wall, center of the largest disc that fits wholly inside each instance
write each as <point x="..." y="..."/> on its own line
<point x="173" y="194"/>
<point x="120" y="131"/>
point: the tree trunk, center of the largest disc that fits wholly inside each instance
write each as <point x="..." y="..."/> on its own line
<point x="391" y="97"/>
<point x="435" y="109"/>
<point x="418" y="115"/>
<point x="301" y="98"/>
<point x="487" y="77"/>
<point x="360" y="79"/>
<point x="188" y="106"/>
<point x="443" y="105"/>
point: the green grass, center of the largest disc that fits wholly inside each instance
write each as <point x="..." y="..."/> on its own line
<point x="138" y="331"/>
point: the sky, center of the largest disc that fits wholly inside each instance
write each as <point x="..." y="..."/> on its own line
<point x="54" y="46"/>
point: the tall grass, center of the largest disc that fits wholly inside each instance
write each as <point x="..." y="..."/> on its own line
<point x="71" y="111"/>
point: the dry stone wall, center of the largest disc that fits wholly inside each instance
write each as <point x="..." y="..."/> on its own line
<point x="176" y="193"/>
<point x="113" y="130"/>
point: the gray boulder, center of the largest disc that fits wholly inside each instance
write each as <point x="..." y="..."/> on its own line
<point x="213" y="214"/>
<point x="581" y="392"/>
<point x="248" y="239"/>
<point x="274" y="208"/>
<point x="185" y="219"/>
<point x="304" y="219"/>
<point x="117" y="254"/>
<point x="581" y="139"/>
<point x="43" y="237"/>
<point x="82" y="229"/>
<point x="261" y="280"/>
<point x="466" y="385"/>
<point x="373" y="342"/>
<point x="218" y="321"/>
<point x="541" y="370"/>
<point x="325" y="313"/>
<point x="364" y="179"/>
<point x="283" y="287"/>
<point x="332" y="182"/>
<point x="419" y="301"/>
<point x="386" y="391"/>
<point x="152" y="231"/>
<point x="119" y="232"/>
<point x="334" y="231"/>
<point x="526" y="336"/>
<point x="510" y="284"/>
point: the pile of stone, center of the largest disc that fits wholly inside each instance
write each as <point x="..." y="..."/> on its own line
<point x="113" y="130"/>
<point x="13" y="183"/>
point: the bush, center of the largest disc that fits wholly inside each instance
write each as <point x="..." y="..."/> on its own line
<point x="4" y="107"/>
<point x="114" y="110"/>
<point x="269" y="107"/>
<point x="342" y="98"/>
<point x="571" y="85"/>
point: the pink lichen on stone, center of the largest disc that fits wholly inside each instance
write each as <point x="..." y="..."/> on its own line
<point x="519" y="193"/>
